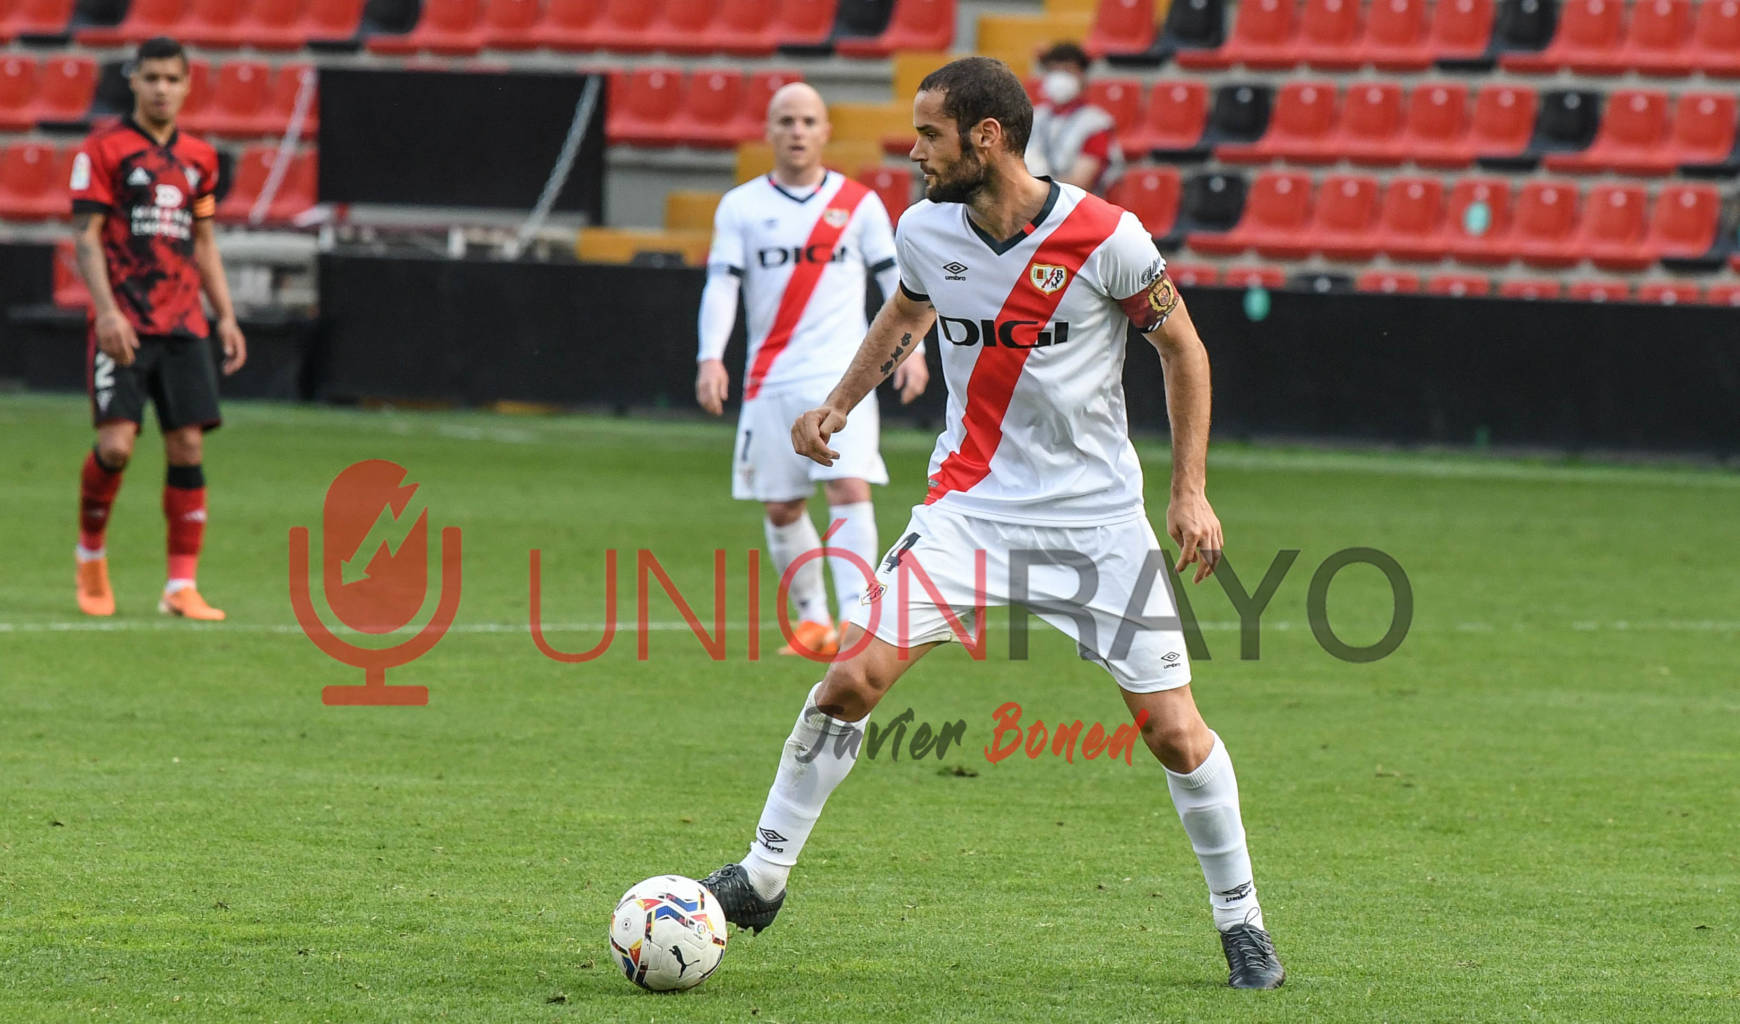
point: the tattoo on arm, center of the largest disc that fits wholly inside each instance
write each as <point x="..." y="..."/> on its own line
<point x="899" y="350"/>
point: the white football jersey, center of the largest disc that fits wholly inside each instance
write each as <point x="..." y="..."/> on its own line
<point x="803" y="257"/>
<point x="1033" y="336"/>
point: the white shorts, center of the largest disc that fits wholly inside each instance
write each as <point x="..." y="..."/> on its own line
<point x="1081" y="580"/>
<point x="765" y="468"/>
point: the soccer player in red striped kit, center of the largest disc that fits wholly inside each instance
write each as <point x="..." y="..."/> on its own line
<point x="1033" y="286"/>
<point x="143" y="199"/>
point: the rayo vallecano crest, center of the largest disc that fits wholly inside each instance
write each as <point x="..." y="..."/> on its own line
<point x="1047" y="277"/>
<point x="836" y="217"/>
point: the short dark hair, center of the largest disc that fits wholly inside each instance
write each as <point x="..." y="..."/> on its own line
<point x="975" y="88"/>
<point x="1065" y="52"/>
<point x="159" y="48"/>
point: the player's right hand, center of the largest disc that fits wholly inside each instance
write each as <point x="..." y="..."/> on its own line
<point x="115" y="337"/>
<point x="809" y="435"/>
<point x="712" y="385"/>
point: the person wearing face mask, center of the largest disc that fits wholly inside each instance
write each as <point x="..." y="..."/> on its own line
<point x="1073" y="141"/>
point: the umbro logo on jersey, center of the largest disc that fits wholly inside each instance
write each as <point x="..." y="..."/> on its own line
<point x="1047" y="277"/>
<point x="140" y="176"/>
<point x="771" y="222"/>
<point x="956" y="270"/>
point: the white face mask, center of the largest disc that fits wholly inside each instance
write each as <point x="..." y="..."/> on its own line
<point x="1059" y="87"/>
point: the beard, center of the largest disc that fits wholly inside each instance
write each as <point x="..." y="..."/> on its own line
<point x="967" y="178"/>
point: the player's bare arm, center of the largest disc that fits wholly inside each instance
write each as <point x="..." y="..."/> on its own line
<point x="115" y="336"/>
<point x="898" y="329"/>
<point x="1190" y="519"/>
<point x="217" y="290"/>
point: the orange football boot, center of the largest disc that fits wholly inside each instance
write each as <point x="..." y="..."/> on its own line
<point x="187" y="604"/>
<point x="95" y="597"/>
<point x="816" y="637"/>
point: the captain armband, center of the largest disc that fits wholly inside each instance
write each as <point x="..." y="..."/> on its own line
<point x="1150" y="307"/>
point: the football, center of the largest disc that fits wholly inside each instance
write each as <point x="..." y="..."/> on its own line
<point x="668" y="933"/>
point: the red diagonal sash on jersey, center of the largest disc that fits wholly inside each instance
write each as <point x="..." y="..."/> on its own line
<point x="998" y="370"/>
<point x="804" y="275"/>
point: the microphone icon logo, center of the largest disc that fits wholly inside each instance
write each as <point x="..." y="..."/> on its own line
<point x="375" y="572"/>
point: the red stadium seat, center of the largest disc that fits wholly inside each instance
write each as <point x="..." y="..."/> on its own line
<point x="1587" y="40"/>
<point x="1388" y="282"/>
<point x="746" y="28"/>
<point x="1660" y="38"/>
<point x="273" y="24"/>
<point x="145" y="18"/>
<point x="1704" y="128"/>
<point x="1684" y="221"/>
<point x="1504" y="120"/>
<point x="1671" y="293"/>
<point x="64" y="86"/>
<point x="1461" y="29"/>
<point x="298" y="191"/>
<point x="1435" y="133"/>
<point x="570" y="24"/>
<point x="1633" y="138"/>
<point x="630" y="26"/>
<point x="1717" y="295"/>
<point x="1151" y="193"/>
<point x="1172" y="120"/>
<point x="916" y="25"/>
<point x="1612" y="235"/>
<point x="1302" y="128"/>
<point x="512" y="24"/>
<point x="196" y="113"/>
<point x="36" y="17"/>
<point x="1531" y="288"/>
<point x="685" y="26"/>
<point x="33" y="182"/>
<point x="445" y="26"/>
<point x="1396" y="36"/>
<point x="1371" y="124"/>
<point x="805" y="22"/>
<point x="286" y="84"/>
<point x="1330" y="33"/>
<point x="1472" y="238"/>
<point x="707" y="118"/>
<point x="1600" y="291"/>
<point x="892" y="185"/>
<point x="1411" y="220"/>
<point x="215" y="23"/>
<point x="1343" y="227"/>
<point x="17" y="92"/>
<point x="1264" y="35"/>
<point x="247" y="176"/>
<point x="331" y="21"/>
<point x="751" y="119"/>
<point x="239" y="94"/>
<point x="643" y="106"/>
<point x="1254" y="277"/>
<point x="1458" y="285"/>
<point x="1187" y="275"/>
<point x="1716" y="38"/>
<point x="1122" y="28"/>
<point x="1277" y="211"/>
<point x="1545" y="224"/>
<point x="1120" y="98"/>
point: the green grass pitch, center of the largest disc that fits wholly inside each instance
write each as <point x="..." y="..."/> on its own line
<point x="1528" y="812"/>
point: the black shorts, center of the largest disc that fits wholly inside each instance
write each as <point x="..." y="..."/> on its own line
<point x="179" y="375"/>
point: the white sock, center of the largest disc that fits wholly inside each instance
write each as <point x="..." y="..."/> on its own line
<point x="784" y="544"/>
<point x="176" y="586"/>
<point x="857" y="535"/>
<point x="1208" y="804"/>
<point x="807" y="774"/>
<point x="85" y="554"/>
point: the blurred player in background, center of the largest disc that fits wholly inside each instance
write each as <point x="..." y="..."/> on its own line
<point x="800" y="242"/>
<point x="1034" y="459"/>
<point x="1073" y="140"/>
<point x="143" y="198"/>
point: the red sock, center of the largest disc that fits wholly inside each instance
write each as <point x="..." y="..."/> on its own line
<point x="97" y="490"/>
<point x="184" y="508"/>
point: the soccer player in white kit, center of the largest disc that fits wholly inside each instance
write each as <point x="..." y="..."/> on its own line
<point x="1032" y="285"/>
<point x="801" y="242"/>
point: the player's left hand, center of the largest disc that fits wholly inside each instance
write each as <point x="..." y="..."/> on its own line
<point x="911" y="377"/>
<point x="235" y="346"/>
<point x="1190" y="520"/>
